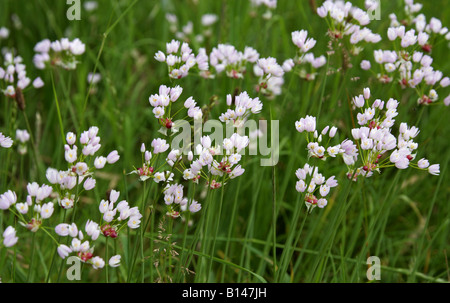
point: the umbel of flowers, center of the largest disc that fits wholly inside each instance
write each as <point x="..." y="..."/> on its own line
<point x="81" y="166"/>
<point x="63" y="53"/>
<point x="376" y="145"/>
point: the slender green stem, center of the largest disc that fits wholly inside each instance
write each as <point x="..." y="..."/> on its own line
<point x="30" y="269"/>
<point x="230" y="229"/>
<point x="287" y="252"/>
<point x="217" y="226"/>
<point x="106" y="260"/>
<point x="61" y="126"/>
<point x="142" y="231"/>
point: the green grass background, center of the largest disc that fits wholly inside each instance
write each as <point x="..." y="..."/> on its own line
<point x="400" y="216"/>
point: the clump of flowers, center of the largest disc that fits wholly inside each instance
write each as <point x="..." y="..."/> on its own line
<point x="63" y="53"/>
<point x="78" y="172"/>
<point x="162" y="106"/>
<point x="244" y="106"/>
<point x="375" y="139"/>
<point x="185" y="33"/>
<point x="407" y="65"/>
<point x="313" y="184"/>
<point x="304" y="44"/>
<point x="147" y="170"/>
<point x="411" y="18"/>
<point x="115" y="216"/>
<point x="79" y="246"/>
<point x="225" y="57"/>
<point x="40" y="211"/>
<point x="177" y="203"/>
<point x="314" y="139"/>
<point x="216" y="168"/>
<point x="180" y="59"/>
<point x="270" y="75"/>
<point x="13" y="74"/>
<point x="344" y="19"/>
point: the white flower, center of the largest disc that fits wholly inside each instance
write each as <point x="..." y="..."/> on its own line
<point x="64" y="251"/>
<point x="97" y="262"/>
<point x="7" y="199"/>
<point x="321" y="203"/>
<point x="114" y="261"/>
<point x="134" y="222"/>
<point x="112" y="157"/>
<point x="5" y="142"/>
<point x="92" y="229"/>
<point x="99" y="162"/>
<point x="47" y="210"/>
<point x="9" y="237"/>
<point x="434" y="169"/>
<point x="158" y="177"/>
<point x="423" y="163"/>
<point x="194" y="207"/>
<point x="62" y="229"/>
<point x="324" y="190"/>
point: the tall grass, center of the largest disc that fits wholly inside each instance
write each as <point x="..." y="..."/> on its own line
<point x="256" y="229"/>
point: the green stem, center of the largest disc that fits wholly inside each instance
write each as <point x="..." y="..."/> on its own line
<point x="58" y="110"/>
<point x="32" y="257"/>
<point x="106" y="260"/>
<point x="217" y="226"/>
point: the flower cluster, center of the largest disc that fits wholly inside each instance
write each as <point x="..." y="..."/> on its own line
<point x="270" y="75"/>
<point x="375" y="138"/>
<point x="82" y="249"/>
<point x="122" y="210"/>
<point x="304" y="44"/>
<point x="62" y="53"/>
<point x="409" y="63"/>
<point x="177" y="203"/>
<point x="314" y="183"/>
<point x="180" y="60"/>
<point x="410" y="68"/>
<point x="344" y="19"/>
<point x="315" y="149"/>
<point x="147" y="170"/>
<point x="13" y="74"/>
<point x="162" y="105"/>
<point x="79" y="171"/>
<point x="411" y="18"/>
<point x="244" y="106"/>
<point x="214" y="166"/>
<point x="34" y="201"/>
<point x="226" y="57"/>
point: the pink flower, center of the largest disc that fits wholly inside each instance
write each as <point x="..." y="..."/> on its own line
<point x="434" y="169"/>
<point x="64" y="251"/>
<point x="113" y="157"/>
